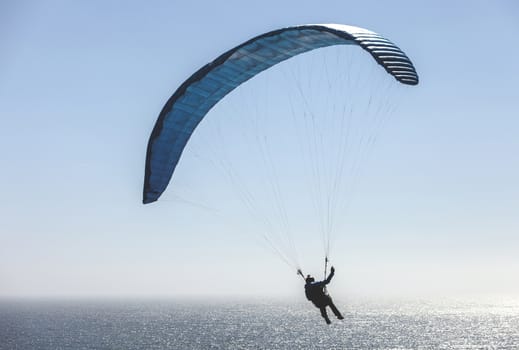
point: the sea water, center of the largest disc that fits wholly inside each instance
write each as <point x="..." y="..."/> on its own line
<point x="265" y="324"/>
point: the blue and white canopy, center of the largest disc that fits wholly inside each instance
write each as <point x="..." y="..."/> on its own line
<point x="198" y="94"/>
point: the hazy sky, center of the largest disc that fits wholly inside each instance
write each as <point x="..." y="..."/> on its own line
<point x="82" y="84"/>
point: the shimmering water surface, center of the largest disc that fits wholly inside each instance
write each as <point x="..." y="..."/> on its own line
<point x="257" y="325"/>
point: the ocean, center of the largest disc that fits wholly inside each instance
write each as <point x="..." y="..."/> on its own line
<point x="257" y="324"/>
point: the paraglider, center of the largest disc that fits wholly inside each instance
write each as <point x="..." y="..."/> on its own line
<point x="204" y="89"/>
<point x="317" y="294"/>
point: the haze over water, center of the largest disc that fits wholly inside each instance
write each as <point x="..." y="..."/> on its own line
<point x="261" y="324"/>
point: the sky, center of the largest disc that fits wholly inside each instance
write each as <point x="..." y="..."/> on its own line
<point x="82" y="84"/>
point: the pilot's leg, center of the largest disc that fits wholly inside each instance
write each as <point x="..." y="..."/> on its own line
<point x="335" y="310"/>
<point x="324" y="314"/>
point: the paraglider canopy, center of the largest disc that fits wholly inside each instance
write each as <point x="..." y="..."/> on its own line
<point x="206" y="87"/>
